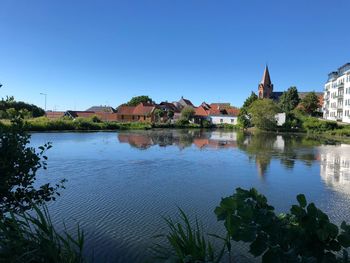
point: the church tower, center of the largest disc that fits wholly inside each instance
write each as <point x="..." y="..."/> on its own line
<point x="265" y="88"/>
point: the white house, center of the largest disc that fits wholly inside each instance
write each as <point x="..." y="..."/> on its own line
<point x="223" y="119"/>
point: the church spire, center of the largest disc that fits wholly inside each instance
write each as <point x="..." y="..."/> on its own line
<point x="266" y="80"/>
<point x="265" y="89"/>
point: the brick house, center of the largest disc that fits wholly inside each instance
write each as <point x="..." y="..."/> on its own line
<point x="143" y="112"/>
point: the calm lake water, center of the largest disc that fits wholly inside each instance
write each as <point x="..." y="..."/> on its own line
<point x="120" y="184"/>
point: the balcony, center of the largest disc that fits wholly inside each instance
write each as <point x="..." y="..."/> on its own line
<point x="340" y="106"/>
<point x="340" y="85"/>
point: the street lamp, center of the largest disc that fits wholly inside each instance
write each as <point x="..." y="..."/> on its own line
<point x="44" y="94"/>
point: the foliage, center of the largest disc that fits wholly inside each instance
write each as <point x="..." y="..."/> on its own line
<point x="289" y="100"/>
<point x="263" y="113"/>
<point x="187" y="113"/>
<point x="170" y="114"/>
<point x="304" y="235"/>
<point x="314" y="125"/>
<point x="137" y="100"/>
<point x="9" y="108"/>
<point x="310" y="103"/>
<point x="96" y="119"/>
<point x="31" y="237"/>
<point x="243" y="116"/>
<point x="186" y="243"/>
<point x="18" y="167"/>
<point x="159" y="113"/>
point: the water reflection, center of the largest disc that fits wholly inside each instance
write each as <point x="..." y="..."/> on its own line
<point x="261" y="148"/>
<point x="335" y="166"/>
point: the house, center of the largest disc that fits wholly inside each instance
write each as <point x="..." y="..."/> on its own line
<point x="101" y="109"/>
<point x="54" y="114"/>
<point x="79" y="114"/>
<point x="218" y="114"/>
<point x="103" y="116"/>
<point x="182" y="103"/>
<point x="143" y="112"/>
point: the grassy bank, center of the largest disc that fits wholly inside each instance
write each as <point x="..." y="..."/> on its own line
<point x="90" y="124"/>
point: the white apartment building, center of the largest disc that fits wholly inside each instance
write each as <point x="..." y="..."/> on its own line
<point x="336" y="104"/>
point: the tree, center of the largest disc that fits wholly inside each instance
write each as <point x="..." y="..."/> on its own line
<point x="158" y="113"/>
<point x="310" y="103"/>
<point x="13" y="107"/>
<point x="263" y="112"/>
<point x="187" y="113"/>
<point x="137" y="100"/>
<point x="243" y="116"/>
<point x="170" y="114"/>
<point x="18" y="167"/>
<point x="289" y="100"/>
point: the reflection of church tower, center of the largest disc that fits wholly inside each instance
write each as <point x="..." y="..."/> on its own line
<point x="265" y="87"/>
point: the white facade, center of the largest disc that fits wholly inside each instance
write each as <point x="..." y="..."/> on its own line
<point x="223" y="119"/>
<point x="336" y="104"/>
<point x="280" y="118"/>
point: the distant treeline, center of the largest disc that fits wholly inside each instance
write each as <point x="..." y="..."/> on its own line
<point x="10" y="108"/>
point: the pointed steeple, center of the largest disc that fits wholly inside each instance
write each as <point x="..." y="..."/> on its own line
<point x="266" y="80"/>
<point x="265" y="88"/>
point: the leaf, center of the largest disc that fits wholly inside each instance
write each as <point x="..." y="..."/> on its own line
<point x="258" y="246"/>
<point x="302" y="200"/>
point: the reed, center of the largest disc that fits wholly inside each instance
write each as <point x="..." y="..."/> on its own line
<point x="31" y="237"/>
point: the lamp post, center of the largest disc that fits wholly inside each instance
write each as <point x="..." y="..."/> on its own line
<point x="44" y="94"/>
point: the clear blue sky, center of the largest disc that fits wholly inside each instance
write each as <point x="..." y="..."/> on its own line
<point x="84" y="53"/>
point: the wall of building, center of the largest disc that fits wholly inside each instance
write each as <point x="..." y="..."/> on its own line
<point x="337" y="98"/>
<point x="223" y="119"/>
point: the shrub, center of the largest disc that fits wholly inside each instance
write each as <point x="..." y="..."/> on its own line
<point x="18" y="167"/>
<point x="315" y="125"/>
<point x="304" y="235"/>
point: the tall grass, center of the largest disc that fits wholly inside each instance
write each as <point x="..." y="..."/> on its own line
<point x="31" y="237"/>
<point x="185" y="243"/>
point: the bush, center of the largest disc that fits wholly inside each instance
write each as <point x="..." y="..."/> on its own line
<point x="181" y="123"/>
<point x="315" y="125"/>
<point x="18" y="167"/>
<point x="304" y="235"/>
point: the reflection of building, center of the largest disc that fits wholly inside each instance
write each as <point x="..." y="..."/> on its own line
<point x="181" y="139"/>
<point x="335" y="165"/>
<point x="138" y="140"/>
<point x="217" y="139"/>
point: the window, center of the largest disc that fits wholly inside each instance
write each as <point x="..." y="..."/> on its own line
<point x="122" y="117"/>
<point x="232" y="121"/>
<point x="221" y="120"/>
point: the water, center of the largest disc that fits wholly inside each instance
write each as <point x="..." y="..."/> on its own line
<point x="121" y="184"/>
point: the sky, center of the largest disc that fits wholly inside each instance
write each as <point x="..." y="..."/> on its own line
<point x="83" y="53"/>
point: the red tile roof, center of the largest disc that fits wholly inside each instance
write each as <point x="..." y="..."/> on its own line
<point x="201" y="111"/>
<point x="143" y="109"/>
<point x="232" y="111"/>
<point x="125" y="110"/>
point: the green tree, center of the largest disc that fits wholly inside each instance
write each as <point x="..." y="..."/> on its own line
<point x="243" y="116"/>
<point x="18" y="167"/>
<point x="170" y="114"/>
<point x="158" y="113"/>
<point x="15" y="107"/>
<point x="310" y="103"/>
<point x="137" y="100"/>
<point x="187" y="113"/>
<point x="289" y="100"/>
<point x="263" y="113"/>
